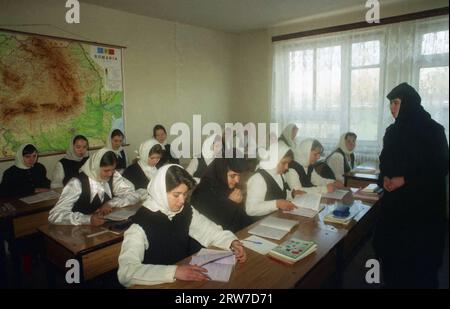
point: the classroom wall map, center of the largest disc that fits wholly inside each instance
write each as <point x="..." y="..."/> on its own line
<point x="52" y="89"/>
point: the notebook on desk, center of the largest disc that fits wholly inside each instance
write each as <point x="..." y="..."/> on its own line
<point x="273" y="228"/>
<point x="40" y="197"/>
<point x="219" y="263"/>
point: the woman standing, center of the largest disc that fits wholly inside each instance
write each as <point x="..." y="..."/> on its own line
<point x="409" y="237"/>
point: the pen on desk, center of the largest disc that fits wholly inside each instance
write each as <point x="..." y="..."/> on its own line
<point x="98" y="233"/>
<point x="253" y="241"/>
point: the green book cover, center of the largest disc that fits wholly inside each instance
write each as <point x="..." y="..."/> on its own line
<point x="293" y="248"/>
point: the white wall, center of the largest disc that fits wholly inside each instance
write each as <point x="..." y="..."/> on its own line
<point x="170" y="70"/>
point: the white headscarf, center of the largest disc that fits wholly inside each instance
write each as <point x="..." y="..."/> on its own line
<point x="92" y="166"/>
<point x="287" y="134"/>
<point x="144" y="150"/>
<point x="157" y="199"/>
<point x="109" y="144"/>
<point x="19" y="163"/>
<point x="302" y="152"/>
<point x="343" y="146"/>
<point x="276" y="152"/>
<point x="70" y="152"/>
<point x="208" y="148"/>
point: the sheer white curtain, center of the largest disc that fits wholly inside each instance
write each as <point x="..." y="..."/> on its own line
<point x="331" y="84"/>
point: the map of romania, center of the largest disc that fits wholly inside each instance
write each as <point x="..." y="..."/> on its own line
<point x="52" y="89"/>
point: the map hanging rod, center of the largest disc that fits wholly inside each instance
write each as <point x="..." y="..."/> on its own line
<point x="85" y="40"/>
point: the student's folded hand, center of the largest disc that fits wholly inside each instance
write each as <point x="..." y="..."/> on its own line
<point x="191" y="273"/>
<point x="297" y="192"/>
<point x="239" y="251"/>
<point x="330" y="187"/>
<point x="97" y="220"/>
<point x="339" y="185"/>
<point x="105" y="209"/>
<point x="285" y="205"/>
<point x="236" y="196"/>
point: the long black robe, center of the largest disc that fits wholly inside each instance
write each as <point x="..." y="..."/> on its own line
<point x="210" y="197"/>
<point x="409" y="237"/>
<point x="19" y="182"/>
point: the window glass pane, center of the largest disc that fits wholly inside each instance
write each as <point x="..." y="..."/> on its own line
<point x="435" y="43"/>
<point x="365" y="53"/>
<point x="328" y="79"/>
<point x="364" y="103"/>
<point x="433" y="88"/>
<point x="301" y="79"/>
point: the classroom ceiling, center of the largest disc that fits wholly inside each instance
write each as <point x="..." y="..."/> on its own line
<point x="232" y="15"/>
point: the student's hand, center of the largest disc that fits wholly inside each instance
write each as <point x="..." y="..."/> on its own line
<point x="236" y="196"/>
<point x="297" y="192"/>
<point x="330" y="187"/>
<point x="285" y="205"/>
<point x="97" y="220"/>
<point x="239" y="251"/>
<point x="338" y="185"/>
<point x="395" y="183"/>
<point x="39" y="190"/>
<point x="191" y="273"/>
<point x="105" y="209"/>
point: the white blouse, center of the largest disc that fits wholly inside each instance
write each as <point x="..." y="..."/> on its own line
<point x="131" y="269"/>
<point x="62" y="212"/>
<point x="58" y="176"/>
<point x="336" y="163"/>
<point x="256" y="192"/>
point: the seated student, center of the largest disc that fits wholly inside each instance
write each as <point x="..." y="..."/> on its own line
<point x="26" y="176"/>
<point x="267" y="190"/>
<point x="114" y="143"/>
<point x="92" y="194"/>
<point x="144" y="170"/>
<point x="160" y="134"/>
<point x="289" y="134"/>
<point x="342" y="160"/>
<point x="212" y="148"/>
<point x="163" y="231"/>
<point x="301" y="174"/>
<point x="69" y="166"/>
<point x="218" y="196"/>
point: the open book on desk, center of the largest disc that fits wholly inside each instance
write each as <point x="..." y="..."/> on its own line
<point x="121" y="214"/>
<point x="40" y="197"/>
<point x="272" y="227"/>
<point x="219" y="263"/>
<point x="336" y="194"/>
<point x="308" y="205"/>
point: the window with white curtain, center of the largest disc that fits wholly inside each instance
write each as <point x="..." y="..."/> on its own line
<point x="335" y="83"/>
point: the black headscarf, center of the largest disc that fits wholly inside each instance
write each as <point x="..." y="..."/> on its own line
<point x="411" y="111"/>
<point x="216" y="174"/>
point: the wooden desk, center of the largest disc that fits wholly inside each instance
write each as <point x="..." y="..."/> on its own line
<point x="362" y="175"/>
<point x="18" y="221"/>
<point x="96" y="255"/>
<point x="335" y="243"/>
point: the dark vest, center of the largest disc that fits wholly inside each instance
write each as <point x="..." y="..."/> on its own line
<point x="169" y="240"/>
<point x="121" y="161"/>
<point x="201" y="167"/>
<point x="305" y="178"/>
<point x="274" y="191"/>
<point x="83" y="204"/>
<point x="347" y="167"/>
<point x="71" y="168"/>
<point x="136" y="175"/>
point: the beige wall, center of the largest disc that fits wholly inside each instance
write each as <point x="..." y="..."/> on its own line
<point x="170" y="70"/>
<point x="255" y="52"/>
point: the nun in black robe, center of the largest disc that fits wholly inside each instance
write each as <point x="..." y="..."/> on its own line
<point x="211" y="196"/>
<point x="409" y="237"/>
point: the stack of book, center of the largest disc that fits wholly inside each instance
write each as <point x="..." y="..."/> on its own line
<point x="370" y="193"/>
<point x="332" y="218"/>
